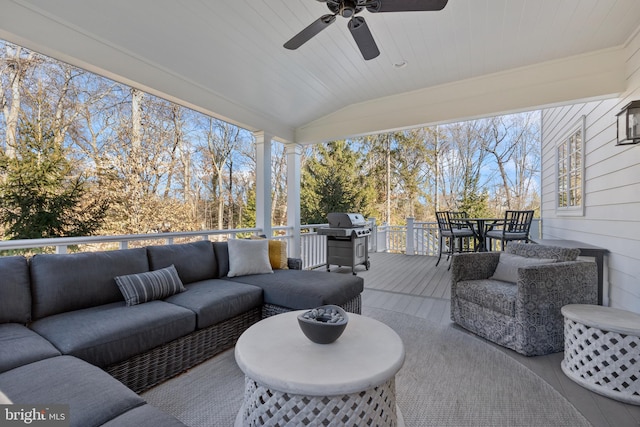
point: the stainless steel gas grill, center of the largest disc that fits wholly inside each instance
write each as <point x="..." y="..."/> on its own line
<point x="347" y="240"/>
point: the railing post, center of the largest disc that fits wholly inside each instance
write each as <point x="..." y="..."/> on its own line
<point x="410" y="250"/>
<point x="381" y="237"/>
<point x="374" y="232"/>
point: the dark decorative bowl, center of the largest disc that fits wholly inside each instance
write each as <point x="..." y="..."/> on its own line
<point x="323" y="325"/>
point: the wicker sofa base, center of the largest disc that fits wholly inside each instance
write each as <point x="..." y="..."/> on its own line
<point x="354" y="305"/>
<point x="143" y="371"/>
<point x="146" y="370"/>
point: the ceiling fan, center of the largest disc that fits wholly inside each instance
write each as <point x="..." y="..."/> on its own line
<point x="357" y="25"/>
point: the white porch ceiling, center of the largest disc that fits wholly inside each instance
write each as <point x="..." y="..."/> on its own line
<point x="225" y="58"/>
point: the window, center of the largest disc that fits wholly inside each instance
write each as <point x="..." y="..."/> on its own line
<point x="570" y="172"/>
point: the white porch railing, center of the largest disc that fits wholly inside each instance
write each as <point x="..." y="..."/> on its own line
<point x="415" y="238"/>
<point x="419" y="238"/>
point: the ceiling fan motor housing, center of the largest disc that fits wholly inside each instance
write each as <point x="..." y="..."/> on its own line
<point x="346" y="8"/>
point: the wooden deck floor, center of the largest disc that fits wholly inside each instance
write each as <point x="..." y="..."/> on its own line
<point x="414" y="285"/>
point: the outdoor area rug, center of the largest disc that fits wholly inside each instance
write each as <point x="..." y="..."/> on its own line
<point x="449" y="378"/>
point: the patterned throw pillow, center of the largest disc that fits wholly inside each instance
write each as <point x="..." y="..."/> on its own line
<point x="149" y="286"/>
<point x="507" y="269"/>
<point x="278" y="254"/>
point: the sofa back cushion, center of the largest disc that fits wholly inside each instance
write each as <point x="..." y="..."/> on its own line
<point x="193" y="261"/>
<point x="532" y="250"/>
<point x="15" y="291"/>
<point x="67" y="282"/>
<point x="221" y="250"/>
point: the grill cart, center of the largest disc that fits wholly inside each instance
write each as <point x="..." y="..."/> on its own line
<point x="347" y="240"/>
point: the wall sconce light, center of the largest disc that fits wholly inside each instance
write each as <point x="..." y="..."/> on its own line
<point x="629" y="124"/>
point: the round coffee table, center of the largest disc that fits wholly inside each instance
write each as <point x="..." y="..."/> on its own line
<point x="291" y="380"/>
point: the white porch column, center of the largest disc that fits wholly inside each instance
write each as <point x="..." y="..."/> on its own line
<point x="294" y="153"/>
<point x="263" y="182"/>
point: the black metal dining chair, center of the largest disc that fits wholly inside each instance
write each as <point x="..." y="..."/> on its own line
<point x="515" y="226"/>
<point x="444" y="234"/>
<point x="455" y="230"/>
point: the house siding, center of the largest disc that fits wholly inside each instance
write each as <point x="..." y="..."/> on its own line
<point x="612" y="186"/>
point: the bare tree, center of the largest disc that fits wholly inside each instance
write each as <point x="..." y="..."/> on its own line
<point x="221" y="140"/>
<point x="278" y="184"/>
<point x="410" y="164"/>
<point x="463" y="161"/>
<point x="513" y="143"/>
<point x="15" y="67"/>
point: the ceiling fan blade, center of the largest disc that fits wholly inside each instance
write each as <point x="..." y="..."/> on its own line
<point x="406" y="5"/>
<point x="305" y="35"/>
<point x="363" y="37"/>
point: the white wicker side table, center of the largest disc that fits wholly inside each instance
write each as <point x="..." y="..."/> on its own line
<point x="290" y="380"/>
<point x="602" y="350"/>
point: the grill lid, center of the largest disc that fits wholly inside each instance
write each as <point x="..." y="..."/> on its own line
<point x="346" y="220"/>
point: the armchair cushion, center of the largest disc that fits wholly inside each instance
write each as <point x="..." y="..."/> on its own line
<point x="507" y="268"/>
<point x="531" y="250"/>
<point x="494" y="295"/>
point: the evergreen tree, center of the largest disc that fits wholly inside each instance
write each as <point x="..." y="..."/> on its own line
<point x="39" y="196"/>
<point x="249" y="210"/>
<point x="333" y="181"/>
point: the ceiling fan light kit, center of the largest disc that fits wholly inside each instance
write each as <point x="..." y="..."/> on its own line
<point x="357" y="24"/>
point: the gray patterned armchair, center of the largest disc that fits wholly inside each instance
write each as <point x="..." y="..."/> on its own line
<point x="521" y="311"/>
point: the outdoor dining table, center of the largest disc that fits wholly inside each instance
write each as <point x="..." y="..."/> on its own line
<point x="480" y="228"/>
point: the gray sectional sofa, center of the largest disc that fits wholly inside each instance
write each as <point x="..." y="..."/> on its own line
<point x="67" y="333"/>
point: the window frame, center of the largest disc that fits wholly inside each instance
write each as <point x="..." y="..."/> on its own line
<point x="565" y="148"/>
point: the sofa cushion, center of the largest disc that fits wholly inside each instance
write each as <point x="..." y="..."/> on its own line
<point x="214" y="301"/>
<point x="111" y="333"/>
<point x="494" y="295"/>
<point x="299" y="289"/>
<point x="19" y="346"/>
<point x="221" y="249"/>
<point x="15" y="290"/>
<point x="508" y="265"/>
<point x="193" y="261"/>
<point x="248" y="257"/>
<point x="152" y="285"/>
<point x="144" y="416"/>
<point x="93" y="396"/>
<point x="68" y="282"/>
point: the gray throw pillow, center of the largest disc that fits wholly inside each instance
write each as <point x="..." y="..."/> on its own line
<point x="507" y="269"/>
<point x="149" y="286"/>
<point x="248" y="257"/>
